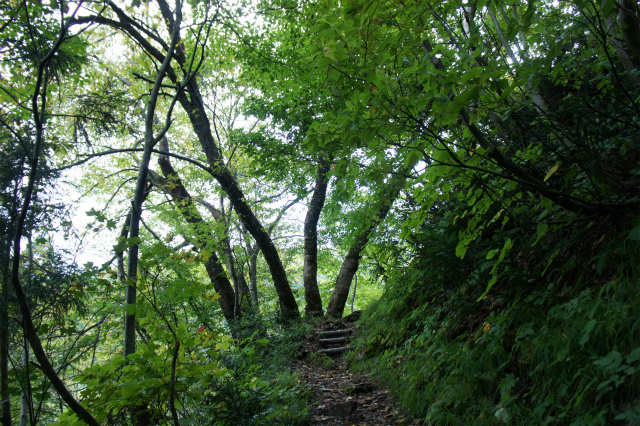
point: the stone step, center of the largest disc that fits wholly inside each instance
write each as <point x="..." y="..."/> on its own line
<point x="333" y="332"/>
<point x="331" y="341"/>
<point x="334" y="350"/>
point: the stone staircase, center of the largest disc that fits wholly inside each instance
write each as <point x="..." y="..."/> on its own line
<point x="333" y="342"/>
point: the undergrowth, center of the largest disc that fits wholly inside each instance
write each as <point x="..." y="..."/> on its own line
<point x="554" y="348"/>
<point x="261" y="389"/>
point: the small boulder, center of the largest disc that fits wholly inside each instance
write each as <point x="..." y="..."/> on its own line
<point x="342" y="409"/>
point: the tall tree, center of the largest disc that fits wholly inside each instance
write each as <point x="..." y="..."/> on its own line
<point x="310" y="268"/>
<point x="384" y="202"/>
<point x="50" y="61"/>
<point x="494" y="94"/>
<point x="193" y="105"/>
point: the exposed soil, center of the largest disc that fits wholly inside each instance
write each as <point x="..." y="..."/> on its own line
<point x="339" y="397"/>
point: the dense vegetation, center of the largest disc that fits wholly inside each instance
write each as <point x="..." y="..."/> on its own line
<point x="468" y="170"/>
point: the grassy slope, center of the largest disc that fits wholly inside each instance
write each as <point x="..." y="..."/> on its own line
<point x="555" y="348"/>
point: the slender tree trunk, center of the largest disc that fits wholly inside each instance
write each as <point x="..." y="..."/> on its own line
<point x="253" y="278"/>
<point x="139" y="414"/>
<point x="4" y="344"/>
<point x="310" y="268"/>
<point x="352" y="259"/>
<point x="38" y="104"/>
<point x="245" y="294"/>
<point x="122" y="274"/>
<point x="236" y="271"/>
<point x="25" y="395"/>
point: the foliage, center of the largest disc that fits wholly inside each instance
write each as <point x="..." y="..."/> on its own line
<point x="506" y="261"/>
<point x="554" y="342"/>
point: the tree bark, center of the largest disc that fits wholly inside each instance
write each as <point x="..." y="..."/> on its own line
<point x="25" y="395"/>
<point x="122" y="273"/>
<point x="253" y="278"/>
<point x="310" y="268"/>
<point x="355" y="288"/>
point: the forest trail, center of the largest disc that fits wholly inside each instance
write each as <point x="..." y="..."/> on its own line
<point x="339" y="397"/>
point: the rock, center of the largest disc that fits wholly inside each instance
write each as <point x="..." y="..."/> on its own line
<point x="352" y="317"/>
<point x="342" y="409"/>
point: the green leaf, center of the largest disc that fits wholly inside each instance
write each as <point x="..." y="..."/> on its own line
<point x="131" y="309"/>
<point x="634" y="234"/>
<point x="461" y="249"/>
<point x="541" y="230"/>
<point x="129" y="389"/>
<point x="634" y="356"/>
<point x="493" y="280"/>
<point x="587" y="332"/>
<point x="553" y="256"/>
<point x="552" y="171"/>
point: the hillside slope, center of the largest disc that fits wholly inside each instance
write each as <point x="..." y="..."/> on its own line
<point x="554" y="341"/>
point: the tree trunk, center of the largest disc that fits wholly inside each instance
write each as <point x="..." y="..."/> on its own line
<point x="38" y="104"/>
<point x="213" y="266"/>
<point x="24" y="396"/>
<point x="139" y="413"/>
<point x="139" y="196"/>
<point x="122" y="274"/>
<point x="194" y="107"/>
<point x="4" y="345"/>
<point x="253" y="278"/>
<point x="310" y="269"/>
<point x="352" y="259"/>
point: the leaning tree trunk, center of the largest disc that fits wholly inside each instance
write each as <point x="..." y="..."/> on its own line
<point x="352" y="259"/>
<point x="310" y="268"/>
<point x="184" y="203"/>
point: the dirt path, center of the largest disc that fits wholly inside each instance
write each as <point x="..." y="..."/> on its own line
<point x="339" y="397"/>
